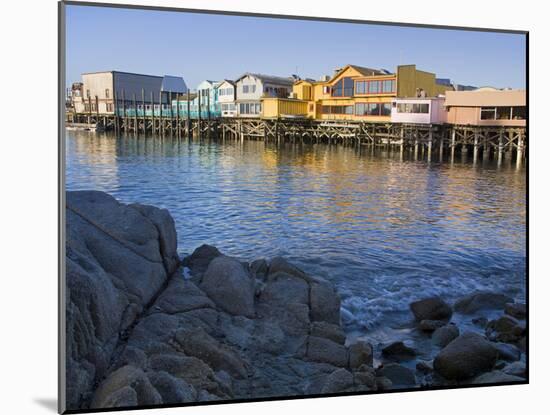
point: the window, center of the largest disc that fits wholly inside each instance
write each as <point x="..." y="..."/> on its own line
<point x="337" y="109"/>
<point x="107" y="93"/>
<point x="326" y="89"/>
<point x="109" y="107"/>
<point x="374" y="87"/>
<point x="337" y="89"/>
<point x="504" y="113"/>
<point x="87" y="93"/>
<point x="488" y="113"/>
<point x="373" y="109"/>
<point x="361" y="87"/>
<point x="343" y="88"/>
<point x="518" y="113"/>
<point x="348" y="87"/>
<point x="385" y="109"/>
<point x="388" y="86"/>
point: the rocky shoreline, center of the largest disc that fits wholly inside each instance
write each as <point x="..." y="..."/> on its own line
<point x="141" y="331"/>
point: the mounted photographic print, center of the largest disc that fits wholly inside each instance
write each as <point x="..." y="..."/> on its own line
<point x="262" y="207"/>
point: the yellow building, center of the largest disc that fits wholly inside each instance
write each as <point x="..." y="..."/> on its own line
<point x="357" y="93"/>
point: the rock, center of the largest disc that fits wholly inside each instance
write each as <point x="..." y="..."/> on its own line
<point x="326" y="351"/>
<point x="522" y="344"/>
<point x="466" y="356"/>
<point x="259" y="268"/>
<point x="127" y="376"/>
<point x="424" y="367"/>
<point x="279" y="264"/>
<point x="444" y="335"/>
<point x="383" y="383"/>
<point x="365" y="378"/>
<point x="338" y="381"/>
<point x="496" y="376"/>
<point x="117" y="260"/>
<point x="516" y="310"/>
<point x="505" y="329"/>
<point x="228" y="284"/>
<point x="433" y="308"/>
<point x="399" y="350"/>
<point x="480" y="322"/>
<point x="172" y="390"/>
<point x="324" y="302"/>
<point x="181" y="296"/>
<point x="430" y="325"/>
<point x="507" y="352"/>
<point x="399" y="375"/>
<point x="481" y="300"/>
<point x="201" y="257"/>
<point x="516" y="369"/>
<point x="329" y="331"/>
<point x="360" y="353"/>
<point x="199" y="344"/>
<point x="121" y="398"/>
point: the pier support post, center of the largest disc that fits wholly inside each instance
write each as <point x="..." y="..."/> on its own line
<point x="519" y="155"/>
<point x="453" y="143"/>
<point x="500" y="147"/>
<point x="476" y="145"/>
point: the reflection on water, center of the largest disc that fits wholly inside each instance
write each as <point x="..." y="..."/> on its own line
<point x="384" y="228"/>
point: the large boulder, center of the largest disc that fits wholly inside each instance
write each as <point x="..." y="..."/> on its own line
<point x="199" y="260"/>
<point x="324" y="302"/>
<point x="398" y="350"/>
<point x="173" y="390"/>
<point x="505" y="329"/>
<point x="496" y="376"/>
<point x="118" y="258"/>
<point x="360" y="353"/>
<point x="516" y="310"/>
<point x="338" y="381"/>
<point x="399" y="375"/>
<point x="465" y="357"/>
<point x="326" y="351"/>
<point x="481" y="300"/>
<point x="433" y="308"/>
<point x="230" y="286"/>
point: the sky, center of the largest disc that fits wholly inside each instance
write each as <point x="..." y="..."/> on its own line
<point x="207" y="46"/>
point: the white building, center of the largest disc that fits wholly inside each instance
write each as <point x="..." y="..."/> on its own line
<point x="419" y="110"/>
<point x="250" y="88"/>
<point x="100" y="88"/>
<point x="226" y="97"/>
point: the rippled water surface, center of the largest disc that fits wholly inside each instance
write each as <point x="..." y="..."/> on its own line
<point x="384" y="228"/>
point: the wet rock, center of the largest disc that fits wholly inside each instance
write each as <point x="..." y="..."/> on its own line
<point x="496" y="376"/>
<point x="398" y="374"/>
<point x="324" y="302"/>
<point x="259" y="268"/>
<point x="516" y="310"/>
<point x="228" y="284"/>
<point x="522" y="344"/>
<point x="121" y="398"/>
<point x="201" y="257"/>
<point x="424" y="367"/>
<point x="466" y="356"/>
<point x="399" y="350"/>
<point x="444" y="335"/>
<point x="172" y="389"/>
<point x="181" y="296"/>
<point x="279" y="264"/>
<point x="360" y="353"/>
<point x="329" y="331"/>
<point x="481" y="300"/>
<point x="365" y="377"/>
<point x="338" y="381"/>
<point x="516" y="369"/>
<point x="433" y="308"/>
<point x="383" y="383"/>
<point x="191" y="369"/>
<point x="507" y="352"/>
<point x="480" y="322"/>
<point x="326" y="351"/>
<point x="430" y="325"/>
<point x="505" y="329"/>
<point x="127" y="376"/>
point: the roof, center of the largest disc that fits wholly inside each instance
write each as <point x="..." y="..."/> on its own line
<point x="173" y="84"/>
<point x="227" y="81"/>
<point x="364" y="71"/>
<point x="269" y="78"/>
<point x="121" y="72"/>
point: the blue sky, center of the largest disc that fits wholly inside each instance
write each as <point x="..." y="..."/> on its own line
<point x="200" y="46"/>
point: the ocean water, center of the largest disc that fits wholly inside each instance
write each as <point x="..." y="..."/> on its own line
<point x="385" y="227"/>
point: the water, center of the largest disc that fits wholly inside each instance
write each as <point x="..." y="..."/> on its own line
<point x="385" y="229"/>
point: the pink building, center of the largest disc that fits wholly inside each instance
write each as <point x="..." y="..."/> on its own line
<point x="418" y="110"/>
<point x="487" y="107"/>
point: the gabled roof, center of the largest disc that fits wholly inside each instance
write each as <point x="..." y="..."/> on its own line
<point x="228" y="81"/>
<point x="268" y="78"/>
<point x="364" y="71"/>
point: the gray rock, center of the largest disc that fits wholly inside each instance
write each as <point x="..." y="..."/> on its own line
<point x="228" y="284"/>
<point x="399" y="375"/>
<point x="338" y="381"/>
<point x="279" y="264"/>
<point x="466" y="356"/>
<point x="383" y="383"/>
<point x="172" y="389"/>
<point x="496" y="376"/>
<point x="127" y="376"/>
<point x="326" y="351"/>
<point x="201" y="257"/>
<point x="324" y="302"/>
<point x="399" y="350"/>
<point x="259" y="268"/>
<point x="329" y="331"/>
<point x="505" y="329"/>
<point x="433" y="308"/>
<point x="507" y="352"/>
<point x="516" y="310"/>
<point x="360" y="353"/>
<point x="444" y="335"/>
<point x="516" y="369"/>
<point x="199" y="344"/>
<point x="122" y="398"/>
<point x="480" y="322"/>
<point x="424" y="367"/>
<point x="181" y="296"/>
<point x="430" y="325"/>
<point x="481" y="300"/>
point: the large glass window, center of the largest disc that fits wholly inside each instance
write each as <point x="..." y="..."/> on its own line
<point x="388" y="86"/>
<point x="374" y="87"/>
<point x="385" y="109"/>
<point x="488" y="113"/>
<point x="518" y="113"/>
<point x="337" y="89"/>
<point x="348" y="87"/>
<point x="361" y="87"/>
